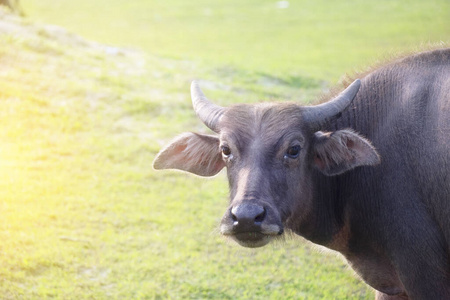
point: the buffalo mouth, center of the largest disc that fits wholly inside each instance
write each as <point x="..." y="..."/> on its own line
<point x="253" y="239"/>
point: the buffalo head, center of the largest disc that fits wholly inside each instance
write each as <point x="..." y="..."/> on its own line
<point x="271" y="151"/>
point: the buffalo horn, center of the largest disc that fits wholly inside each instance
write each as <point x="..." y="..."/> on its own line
<point x="208" y="112"/>
<point x="317" y="115"/>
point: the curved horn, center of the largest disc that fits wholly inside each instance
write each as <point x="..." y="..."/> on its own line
<point x="322" y="113"/>
<point x="208" y="112"/>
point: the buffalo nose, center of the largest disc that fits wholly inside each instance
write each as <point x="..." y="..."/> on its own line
<point x="248" y="214"/>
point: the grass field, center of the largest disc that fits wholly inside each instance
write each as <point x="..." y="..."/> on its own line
<point x="84" y="216"/>
<point x="312" y="38"/>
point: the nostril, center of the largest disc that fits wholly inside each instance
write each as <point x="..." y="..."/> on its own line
<point x="233" y="217"/>
<point x="259" y="218"/>
<point x="247" y="214"/>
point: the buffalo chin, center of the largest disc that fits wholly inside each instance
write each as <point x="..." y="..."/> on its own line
<point x="252" y="239"/>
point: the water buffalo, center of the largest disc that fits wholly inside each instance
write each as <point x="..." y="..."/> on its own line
<point x="366" y="174"/>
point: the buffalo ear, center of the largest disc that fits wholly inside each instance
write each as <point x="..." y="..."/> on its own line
<point x="337" y="152"/>
<point x="191" y="152"/>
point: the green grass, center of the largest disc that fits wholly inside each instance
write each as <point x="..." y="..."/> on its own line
<point x="310" y="38"/>
<point x="84" y="216"/>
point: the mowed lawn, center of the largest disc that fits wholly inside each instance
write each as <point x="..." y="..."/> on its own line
<point x="84" y="216"/>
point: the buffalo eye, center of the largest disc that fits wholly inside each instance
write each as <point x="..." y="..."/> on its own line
<point x="293" y="152"/>
<point x="226" y="152"/>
